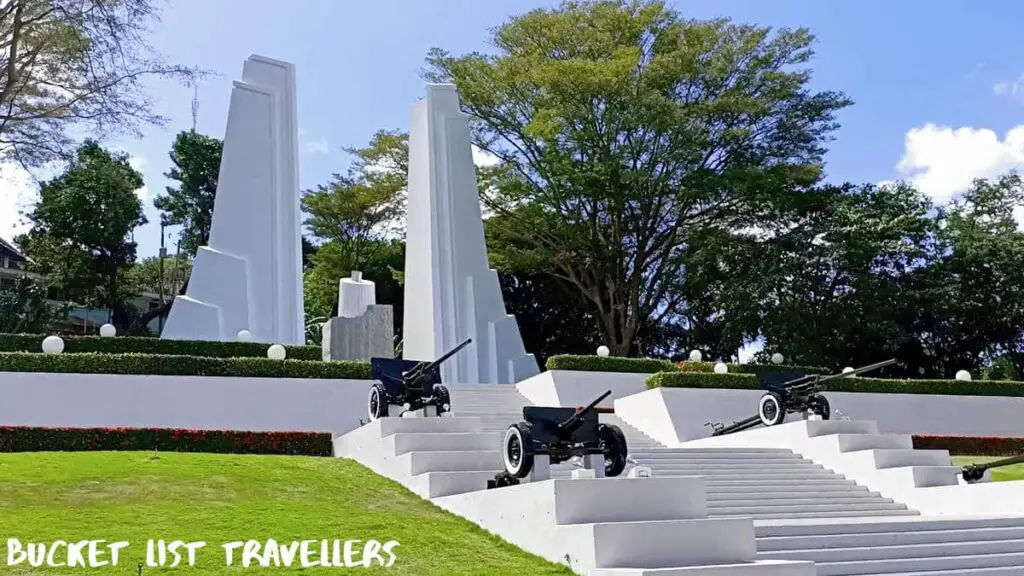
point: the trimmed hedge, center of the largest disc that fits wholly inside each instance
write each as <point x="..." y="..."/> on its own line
<point x="165" y="365"/>
<point x="36" y="439"/>
<point x="690" y="366"/>
<point x="676" y="379"/>
<point x="608" y="364"/>
<point x="971" y="445"/>
<point x="139" y="345"/>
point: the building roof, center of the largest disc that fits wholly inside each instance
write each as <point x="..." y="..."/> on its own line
<point x="10" y="247"/>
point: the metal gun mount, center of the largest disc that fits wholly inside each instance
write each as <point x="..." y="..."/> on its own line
<point x="408" y="383"/>
<point x="560" y="434"/>
<point x="791" y="393"/>
<point x="972" y="473"/>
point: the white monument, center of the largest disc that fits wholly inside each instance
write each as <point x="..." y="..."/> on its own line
<point x="450" y="292"/>
<point x="249" y="276"/>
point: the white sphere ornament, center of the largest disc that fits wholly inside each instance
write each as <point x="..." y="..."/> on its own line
<point x="603" y="351"/>
<point x="963" y="375"/>
<point x="276" y="352"/>
<point x="777" y="358"/>
<point x="721" y="368"/>
<point x="695" y="356"/>
<point x="53" y="345"/>
<point x="108" y="331"/>
<point x="243" y="336"/>
<point x="847" y="370"/>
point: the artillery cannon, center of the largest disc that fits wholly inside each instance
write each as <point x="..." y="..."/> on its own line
<point x="408" y="383"/>
<point x="972" y="473"/>
<point x="560" y="434"/>
<point x="787" y="393"/>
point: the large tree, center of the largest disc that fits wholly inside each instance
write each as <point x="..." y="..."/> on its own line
<point x="75" y="63"/>
<point x="82" y="225"/>
<point x="625" y="129"/>
<point x="195" y="167"/>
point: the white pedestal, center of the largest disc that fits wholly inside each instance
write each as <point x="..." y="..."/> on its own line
<point x="594" y="462"/>
<point x="541" y="470"/>
<point x="583" y="473"/>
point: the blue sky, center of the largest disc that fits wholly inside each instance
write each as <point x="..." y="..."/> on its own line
<point x="937" y="86"/>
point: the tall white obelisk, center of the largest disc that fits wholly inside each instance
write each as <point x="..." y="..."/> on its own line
<point x="249" y="276"/>
<point x="450" y="292"/>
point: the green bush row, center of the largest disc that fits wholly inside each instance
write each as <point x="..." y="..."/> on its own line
<point x="165" y="365"/>
<point x="652" y="365"/>
<point x="37" y="439"/>
<point x="676" y="379"/>
<point x="139" y="345"/>
<point x="608" y="364"/>
<point x="971" y="445"/>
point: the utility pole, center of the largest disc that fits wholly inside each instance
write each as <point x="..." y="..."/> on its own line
<point x="163" y="255"/>
<point x="195" y="108"/>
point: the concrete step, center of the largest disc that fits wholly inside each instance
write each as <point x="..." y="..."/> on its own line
<point x="758" y="568"/>
<point x="715" y="457"/>
<point x="437" y="484"/>
<point x="999" y="571"/>
<point x="720" y="473"/>
<point x="884" y="526"/>
<point x="412" y="463"/>
<point x="857" y="442"/>
<point x="921" y="564"/>
<point x="747" y="509"/>
<point x="830" y="541"/>
<point x="816" y="428"/>
<point x="812" y="483"/>
<point x="806" y="500"/>
<point x="850" y="554"/>
<point x="817" y="515"/>
<point x="401" y="443"/>
<point x="669" y="543"/>
<point x="387" y="426"/>
<point x="922" y="476"/>
<point x="739" y="465"/>
<point x="784" y="495"/>
<point x="899" y="458"/>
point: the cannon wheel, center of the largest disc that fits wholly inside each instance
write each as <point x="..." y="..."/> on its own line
<point x="613" y="447"/>
<point x="770" y="409"/>
<point x="377" y="402"/>
<point x="517" y="450"/>
<point x="442" y="399"/>
<point x="820" y="406"/>
<point x="972" y="475"/>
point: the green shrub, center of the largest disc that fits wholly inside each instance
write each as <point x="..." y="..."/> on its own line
<point x="37" y="439"/>
<point x="159" y="364"/>
<point x="677" y="379"/>
<point x="608" y="364"/>
<point x="139" y="345"/>
<point x="971" y="445"/>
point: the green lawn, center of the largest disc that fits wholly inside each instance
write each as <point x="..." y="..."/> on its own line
<point x="135" y="496"/>
<point x="1013" y="472"/>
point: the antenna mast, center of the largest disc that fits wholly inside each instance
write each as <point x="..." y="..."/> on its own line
<point x="195" y="107"/>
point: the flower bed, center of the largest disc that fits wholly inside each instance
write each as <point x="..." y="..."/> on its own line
<point x="36" y="439"/>
<point x="971" y="445"/>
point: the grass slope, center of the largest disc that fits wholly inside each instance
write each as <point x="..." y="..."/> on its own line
<point x="136" y="496"/>
<point x="1012" y="472"/>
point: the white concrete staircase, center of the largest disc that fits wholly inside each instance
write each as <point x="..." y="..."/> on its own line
<point x="626" y="527"/>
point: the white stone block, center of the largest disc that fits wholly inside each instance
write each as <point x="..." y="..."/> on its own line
<point x="450" y="293"/>
<point x="355" y="295"/>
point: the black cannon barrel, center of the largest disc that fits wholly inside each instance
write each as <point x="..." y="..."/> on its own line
<point x="811" y="379"/>
<point x="425" y="367"/>
<point x="980" y="468"/>
<point x="571" y="422"/>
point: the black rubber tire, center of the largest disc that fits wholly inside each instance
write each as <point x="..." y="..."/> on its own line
<point x="771" y="409"/>
<point x="377" y="402"/>
<point x="613" y="446"/>
<point x="517" y="450"/>
<point x="820" y="406"/>
<point x="442" y="399"/>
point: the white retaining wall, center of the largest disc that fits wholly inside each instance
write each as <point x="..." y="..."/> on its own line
<point x="674" y="415"/>
<point x="195" y="402"/>
<point x="577" y="388"/>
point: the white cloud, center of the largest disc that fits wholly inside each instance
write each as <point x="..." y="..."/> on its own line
<point x="942" y="161"/>
<point x="17" y="192"/>
<point x="139" y="163"/>
<point x="1014" y="89"/>
<point x="748" y="350"/>
<point x="320" y="146"/>
<point x="484" y="159"/>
